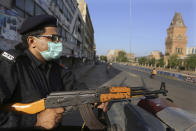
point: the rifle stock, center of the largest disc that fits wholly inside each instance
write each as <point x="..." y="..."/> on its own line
<point x="29" y="108"/>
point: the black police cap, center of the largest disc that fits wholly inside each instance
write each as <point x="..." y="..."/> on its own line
<point x="35" y="22"/>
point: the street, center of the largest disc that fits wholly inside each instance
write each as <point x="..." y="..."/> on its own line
<point x="183" y="94"/>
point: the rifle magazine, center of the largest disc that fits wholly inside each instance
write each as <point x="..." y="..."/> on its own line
<point x="89" y="117"/>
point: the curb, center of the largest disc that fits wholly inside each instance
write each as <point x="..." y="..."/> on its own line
<point x="168" y="77"/>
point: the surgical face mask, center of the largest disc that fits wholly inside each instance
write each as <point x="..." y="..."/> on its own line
<point x="54" y="51"/>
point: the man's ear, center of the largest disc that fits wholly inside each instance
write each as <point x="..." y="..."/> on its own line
<point x="31" y="41"/>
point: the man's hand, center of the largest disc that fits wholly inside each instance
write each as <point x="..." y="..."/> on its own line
<point x="49" y="118"/>
<point x="102" y="106"/>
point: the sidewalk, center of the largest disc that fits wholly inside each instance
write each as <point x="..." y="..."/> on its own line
<point x="169" y="74"/>
<point x="190" y="73"/>
<point x="82" y="70"/>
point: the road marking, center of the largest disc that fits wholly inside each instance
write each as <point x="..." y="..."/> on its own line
<point x="131" y="74"/>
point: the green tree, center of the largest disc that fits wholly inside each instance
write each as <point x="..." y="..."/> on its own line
<point x="103" y="58"/>
<point x="190" y="62"/>
<point x="122" y="57"/>
<point x="142" y="60"/>
<point x="174" y="61"/>
<point x="160" y="62"/>
<point x="151" y="61"/>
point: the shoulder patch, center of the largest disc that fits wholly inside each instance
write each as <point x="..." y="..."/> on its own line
<point x="7" y="56"/>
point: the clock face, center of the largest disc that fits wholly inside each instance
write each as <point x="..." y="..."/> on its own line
<point x="178" y="22"/>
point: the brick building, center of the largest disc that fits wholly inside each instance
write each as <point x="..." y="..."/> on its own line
<point x="176" y="40"/>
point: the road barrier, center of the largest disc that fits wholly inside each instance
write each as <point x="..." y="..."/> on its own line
<point x="184" y="77"/>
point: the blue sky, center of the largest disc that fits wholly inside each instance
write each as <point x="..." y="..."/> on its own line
<point x="138" y="26"/>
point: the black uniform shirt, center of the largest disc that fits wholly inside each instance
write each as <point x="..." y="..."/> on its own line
<point x="28" y="80"/>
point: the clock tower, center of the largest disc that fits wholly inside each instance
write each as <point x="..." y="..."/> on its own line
<point x="176" y="37"/>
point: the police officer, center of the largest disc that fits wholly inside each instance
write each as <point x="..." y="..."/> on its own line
<point x="33" y="72"/>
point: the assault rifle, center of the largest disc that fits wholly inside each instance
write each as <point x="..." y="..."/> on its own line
<point x="83" y="100"/>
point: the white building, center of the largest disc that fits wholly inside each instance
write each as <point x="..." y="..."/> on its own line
<point x="156" y="54"/>
<point x="190" y="50"/>
<point x="112" y="54"/>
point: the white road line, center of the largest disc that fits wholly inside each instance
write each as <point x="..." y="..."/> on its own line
<point x="131" y="74"/>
